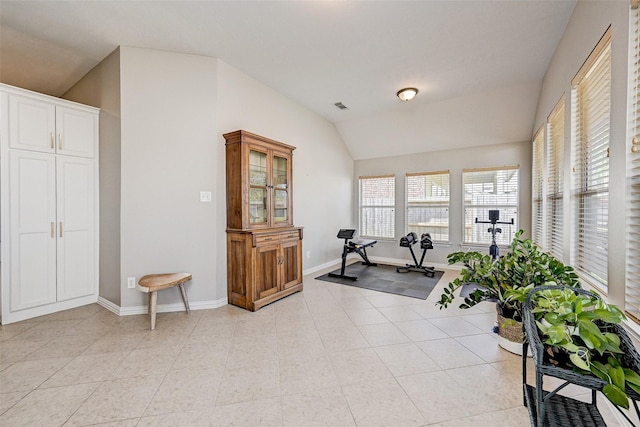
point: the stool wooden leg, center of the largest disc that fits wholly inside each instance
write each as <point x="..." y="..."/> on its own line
<point x="184" y="297"/>
<point x="153" y="303"/>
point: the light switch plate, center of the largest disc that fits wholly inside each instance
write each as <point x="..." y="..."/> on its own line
<point x="205" y="196"/>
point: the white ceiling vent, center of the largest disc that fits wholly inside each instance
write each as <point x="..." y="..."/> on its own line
<point x="341" y="106"/>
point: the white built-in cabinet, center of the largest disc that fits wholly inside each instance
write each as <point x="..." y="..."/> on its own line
<point x="49" y="204"/>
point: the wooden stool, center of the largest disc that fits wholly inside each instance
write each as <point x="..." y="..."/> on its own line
<point x="152" y="283"/>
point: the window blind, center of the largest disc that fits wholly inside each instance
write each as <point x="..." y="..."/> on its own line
<point x="555" y="178"/>
<point x="591" y="122"/>
<point x="485" y="189"/>
<point x="537" y="183"/>
<point x="632" y="288"/>
<point x="428" y="204"/>
<point x="377" y="206"/>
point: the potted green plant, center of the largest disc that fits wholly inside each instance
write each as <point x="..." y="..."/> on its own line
<point x="580" y="333"/>
<point x="507" y="281"/>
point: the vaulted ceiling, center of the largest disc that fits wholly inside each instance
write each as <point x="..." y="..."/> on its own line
<point x="478" y="64"/>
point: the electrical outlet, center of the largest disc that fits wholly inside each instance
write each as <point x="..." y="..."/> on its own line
<point x="308" y="254"/>
<point x="205" y="196"/>
<point x="131" y="282"/>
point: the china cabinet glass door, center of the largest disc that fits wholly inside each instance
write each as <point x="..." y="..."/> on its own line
<point x="280" y="190"/>
<point x="257" y="187"/>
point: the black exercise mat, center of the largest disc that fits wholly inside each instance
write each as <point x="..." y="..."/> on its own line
<point x="384" y="278"/>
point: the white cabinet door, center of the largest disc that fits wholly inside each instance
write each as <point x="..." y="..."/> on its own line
<point x="76" y="227"/>
<point x="32" y="216"/>
<point x="48" y="204"/>
<point x="77" y="132"/>
<point x="31" y="124"/>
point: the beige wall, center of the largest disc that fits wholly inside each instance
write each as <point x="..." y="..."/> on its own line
<point x="166" y="146"/>
<point x="455" y="161"/>
<point x="168" y="157"/>
<point x="322" y="166"/>
<point x="101" y="88"/>
<point x="588" y="23"/>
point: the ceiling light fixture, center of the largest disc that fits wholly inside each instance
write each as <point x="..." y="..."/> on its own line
<point x="407" y="94"/>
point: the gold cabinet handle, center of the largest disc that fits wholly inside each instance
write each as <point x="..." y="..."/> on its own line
<point x="60" y="141"/>
<point x="60" y="228"/>
<point x="53" y="139"/>
<point x="53" y="230"/>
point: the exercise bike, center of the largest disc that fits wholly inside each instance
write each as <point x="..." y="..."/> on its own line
<point x="494" y="218"/>
<point x="494" y="249"/>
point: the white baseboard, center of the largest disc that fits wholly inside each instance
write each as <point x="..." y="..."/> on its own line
<point x="162" y="308"/>
<point x="109" y="305"/>
<point x="320" y="267"/>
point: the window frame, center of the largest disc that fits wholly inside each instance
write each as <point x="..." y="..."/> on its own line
<point x="433" y="203"/>
<point x="503" y="239"/>
<point x="538" y="217"/>
<point x="590" y="178"/>
<point x="364" y="230"/>
<point x="632" y="273"/>
<point x="554" y="217"/>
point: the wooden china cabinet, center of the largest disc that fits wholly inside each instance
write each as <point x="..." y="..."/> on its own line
<point x="264" y="249"/>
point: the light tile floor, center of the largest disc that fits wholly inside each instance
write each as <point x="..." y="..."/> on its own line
<point x="332" y="355"/>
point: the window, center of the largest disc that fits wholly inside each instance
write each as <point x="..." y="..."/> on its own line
<point x="537" y="209"/>
<point x="428" y="204"/>
<point x="555" y="177"/>
<point x="377" y="206"/>
<point x="485" y="189"/>
<point x="591" y="90"/>
<point x="632" y="289"/>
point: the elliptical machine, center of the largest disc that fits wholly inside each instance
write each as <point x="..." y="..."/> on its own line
<point x="494" y="217"/>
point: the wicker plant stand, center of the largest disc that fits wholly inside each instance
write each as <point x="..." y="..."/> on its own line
<point x="548" y="409"/>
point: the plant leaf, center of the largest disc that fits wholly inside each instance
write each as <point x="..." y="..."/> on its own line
<point x="552" y="318"/>
<point x="607" y="316"/>
<point x="556" y="334"/>
<point x="634" y="387"/>
<point x="589" y="326"/>
<point x="613" y="339"/>
<point x="613" y="362"/>
<point x="616" y="395"/>
<point x="631" y="376"/>
<point x="613" y="342"/>
<point x="589" y="340"/>
<point x="571" y="347"/>
<point x="617" y="376"/>
<point x="599" y="370"/>
<point x="577" y="360"/>
<point x="633" y="379"/>
<point x="592" y="336"/>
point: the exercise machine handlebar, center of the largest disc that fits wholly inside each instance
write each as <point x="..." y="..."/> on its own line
<point x="494" y="218"/>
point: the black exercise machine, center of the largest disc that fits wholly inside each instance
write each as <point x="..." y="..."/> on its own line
<point x="494" y="216"/>
<point x="425" y="244"/>
<point x="350" y="246"/>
